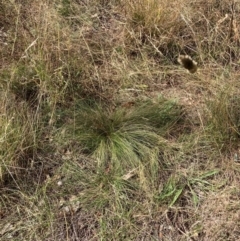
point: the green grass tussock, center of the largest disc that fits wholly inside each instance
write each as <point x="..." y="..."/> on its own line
<point x="125" y="137"/>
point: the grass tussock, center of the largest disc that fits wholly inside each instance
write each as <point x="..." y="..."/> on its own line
<point x="124" y="137"/>
<point x="104" y="136"/>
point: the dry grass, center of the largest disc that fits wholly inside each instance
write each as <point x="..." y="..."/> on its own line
<point x="154" y="155"/>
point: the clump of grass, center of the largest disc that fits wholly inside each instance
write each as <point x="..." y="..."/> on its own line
<point x="124" y="137"/>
